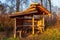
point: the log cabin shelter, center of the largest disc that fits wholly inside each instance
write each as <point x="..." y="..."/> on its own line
<point x="31" y="19"/>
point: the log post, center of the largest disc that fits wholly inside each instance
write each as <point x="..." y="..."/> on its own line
<point x="43" y="23"/>
<point x="14" y="27"/>
<point x="33" y="24"/>
<point x="39" y="25"/>
<point x="20" y="34"/>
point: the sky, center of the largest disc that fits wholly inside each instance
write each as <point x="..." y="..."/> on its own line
<point x="54" y="2"/>
<point x="59" y="3"/>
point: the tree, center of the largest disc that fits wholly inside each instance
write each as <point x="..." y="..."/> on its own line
<point x="49" y="4"/>
<point x="12" y="6"/>
<point x="1" y="9"/>
<point x="17" y="5"/>
<point x="42" y="2"/>
<point x="46" y="4"/>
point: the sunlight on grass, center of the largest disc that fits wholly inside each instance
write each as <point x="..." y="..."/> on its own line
<point x="49" y="34"/>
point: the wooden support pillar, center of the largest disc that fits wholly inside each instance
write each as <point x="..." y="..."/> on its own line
<point x="33" y="24"/>
<point x="14" y="27"/>
<point x="20" y="34"/>
<point x="39" y="24"/>
<point x="43" y="23"/>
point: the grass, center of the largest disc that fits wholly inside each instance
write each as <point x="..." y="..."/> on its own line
<point x="48" y="34"/>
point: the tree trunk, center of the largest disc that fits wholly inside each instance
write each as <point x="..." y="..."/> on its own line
<point x="17" y="5"/>
<point x="46" y="4"/>
<point x="42" y="2"/>
<point x="50" y="4"/>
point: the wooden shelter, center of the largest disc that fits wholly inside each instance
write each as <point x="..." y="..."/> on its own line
<point x="30" y="19"/>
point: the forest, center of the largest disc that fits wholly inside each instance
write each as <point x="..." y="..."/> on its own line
<point x="9" y="7"/>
